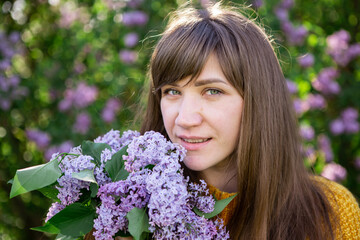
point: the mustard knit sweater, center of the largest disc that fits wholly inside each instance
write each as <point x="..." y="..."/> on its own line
<point x="341" y="200"/>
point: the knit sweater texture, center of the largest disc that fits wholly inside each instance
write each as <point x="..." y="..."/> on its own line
<point x="341" y="200"/>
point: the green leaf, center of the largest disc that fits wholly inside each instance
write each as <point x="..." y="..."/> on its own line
<point x="138" y="223"/>
<point x="94" y="189"/>
<point x="115" y="166"/>
<point x="50" y="192"/>
<point x="94" y="149"/>
<point x="48" y="228"/>
<point x="86" y="175"/>
<point x="75" y="220"/>
<point x="36" y="177"/>
<point x="219" y="206"/>
<point x="64" y="237"/>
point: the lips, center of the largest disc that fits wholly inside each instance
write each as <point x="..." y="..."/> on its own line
<point x="193" y="143"/>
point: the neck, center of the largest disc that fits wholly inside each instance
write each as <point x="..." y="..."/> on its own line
<point x="224" y="181"/>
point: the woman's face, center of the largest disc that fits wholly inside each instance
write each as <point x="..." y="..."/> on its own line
<point x="204" y="117"/>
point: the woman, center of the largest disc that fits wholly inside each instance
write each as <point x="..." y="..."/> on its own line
<point x="218" y="90"/>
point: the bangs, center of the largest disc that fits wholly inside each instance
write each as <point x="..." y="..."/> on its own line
<point x="182" y="52"/>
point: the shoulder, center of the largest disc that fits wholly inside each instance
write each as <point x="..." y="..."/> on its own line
<point x="344" y="206"/>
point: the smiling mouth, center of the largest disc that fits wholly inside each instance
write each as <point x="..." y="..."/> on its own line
<point x="195" y="140"/>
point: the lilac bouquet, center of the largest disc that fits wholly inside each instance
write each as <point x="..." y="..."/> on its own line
<point x="129" y="185"/>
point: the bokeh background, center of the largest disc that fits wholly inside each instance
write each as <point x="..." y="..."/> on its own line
<point x="72" y="70"/>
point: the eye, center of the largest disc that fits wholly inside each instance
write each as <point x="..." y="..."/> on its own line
<point x="170" y="91"/>
<point x="213" y="91"/>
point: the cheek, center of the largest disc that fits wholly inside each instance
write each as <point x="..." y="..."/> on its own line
<point x="167" y="116"/>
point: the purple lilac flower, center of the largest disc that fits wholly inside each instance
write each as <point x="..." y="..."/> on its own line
<point x="337" y="127"/>
<point x="163" y="189"/>
<point x="325" y="146"/>
<point x="316" y="101"/>
<point x="62" y="148"/>
<point x="325" y="81"/>
<point x="112" y="106"/>
<point x="307" y="132"/>
<point x="134" y="3"/>
<point x="82" y="123"/>
<point x="294" y="35"/>
<point x="131" y="39"/>
<point x="306" y="61"/>
<point x="54" y="209"/>
<point x="41" y="139"/>
<point x="134" y="18"/>
<point x="150" y="148"/>
<point x="300" y="106"/>
<point x="116" y="142"/>
<point x="128" y="56"/>
<point x="291" y="86"/>
<point x="339" y="48"/>
<point x="69" y="187"/>
<point x="80" y="97"/>
<point x="346" y="123"/>
<point x="257" y="3"/>
<point x="334" y="172"/>
<point x="357" y="163"/>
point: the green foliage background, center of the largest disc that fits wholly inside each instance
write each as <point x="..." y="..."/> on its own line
<point x="53" y="56"/>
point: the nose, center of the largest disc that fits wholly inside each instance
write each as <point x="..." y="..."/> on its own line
<point x="189" y="112"/>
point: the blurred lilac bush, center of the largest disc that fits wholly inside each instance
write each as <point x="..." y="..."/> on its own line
<point x="72" y="70"/>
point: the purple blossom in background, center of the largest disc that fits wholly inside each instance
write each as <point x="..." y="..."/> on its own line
<point x="357" y="163"/>
<point x="337" y="127"/>
<point x="128" y="56"/>
<point x="307" y="132"/>
<point x="347" y="123"/>
<point x="300" y="106"/>
<point x="316" y="101"/>
<point x="325" y="146"/>
<point x="339" y="49"/>
<point x="82" y="123"/>
<point x="41" y="139"/>
<point x="292" y="87"/>
<point x="257" y="3"/>
<point x="134" y="18"/>
<point x="10" y="88"/>
<point x="294" y="35"/>
<point x="325" y="81"/>
<point x="115" y="5"/>
<point x="134" y="3"/>
<point x="334" y="172"/>
<point x="131" y="39"/>
<point x="286" y="4"/>
<point x="306" y="61"/>
<point x="62" y="148"/>
<point x="112" y="107"/>
<point x="80" y="97"/>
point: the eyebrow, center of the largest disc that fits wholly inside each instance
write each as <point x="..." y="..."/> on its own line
<point x="199" y="83"/>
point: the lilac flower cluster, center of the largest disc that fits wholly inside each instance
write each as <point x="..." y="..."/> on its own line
<point x="346" y="123"/>
<point x="325" y="81"/>
<point x="334" y="172"/>
<point x="70" y="187"/>
<point x="79" y="98"/>
<point x="156" y="181"/>
<point x="306" y="60"/>
<point x="294" y="35"/>
<point x="132" y="18"/>
<point x="10" y="88"/>
<point x="41" y="139"/>
<point x="110" y="110"/>
<point x="339" y="48"/>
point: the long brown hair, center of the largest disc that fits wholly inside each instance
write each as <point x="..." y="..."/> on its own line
<point x="277" y="197"/>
